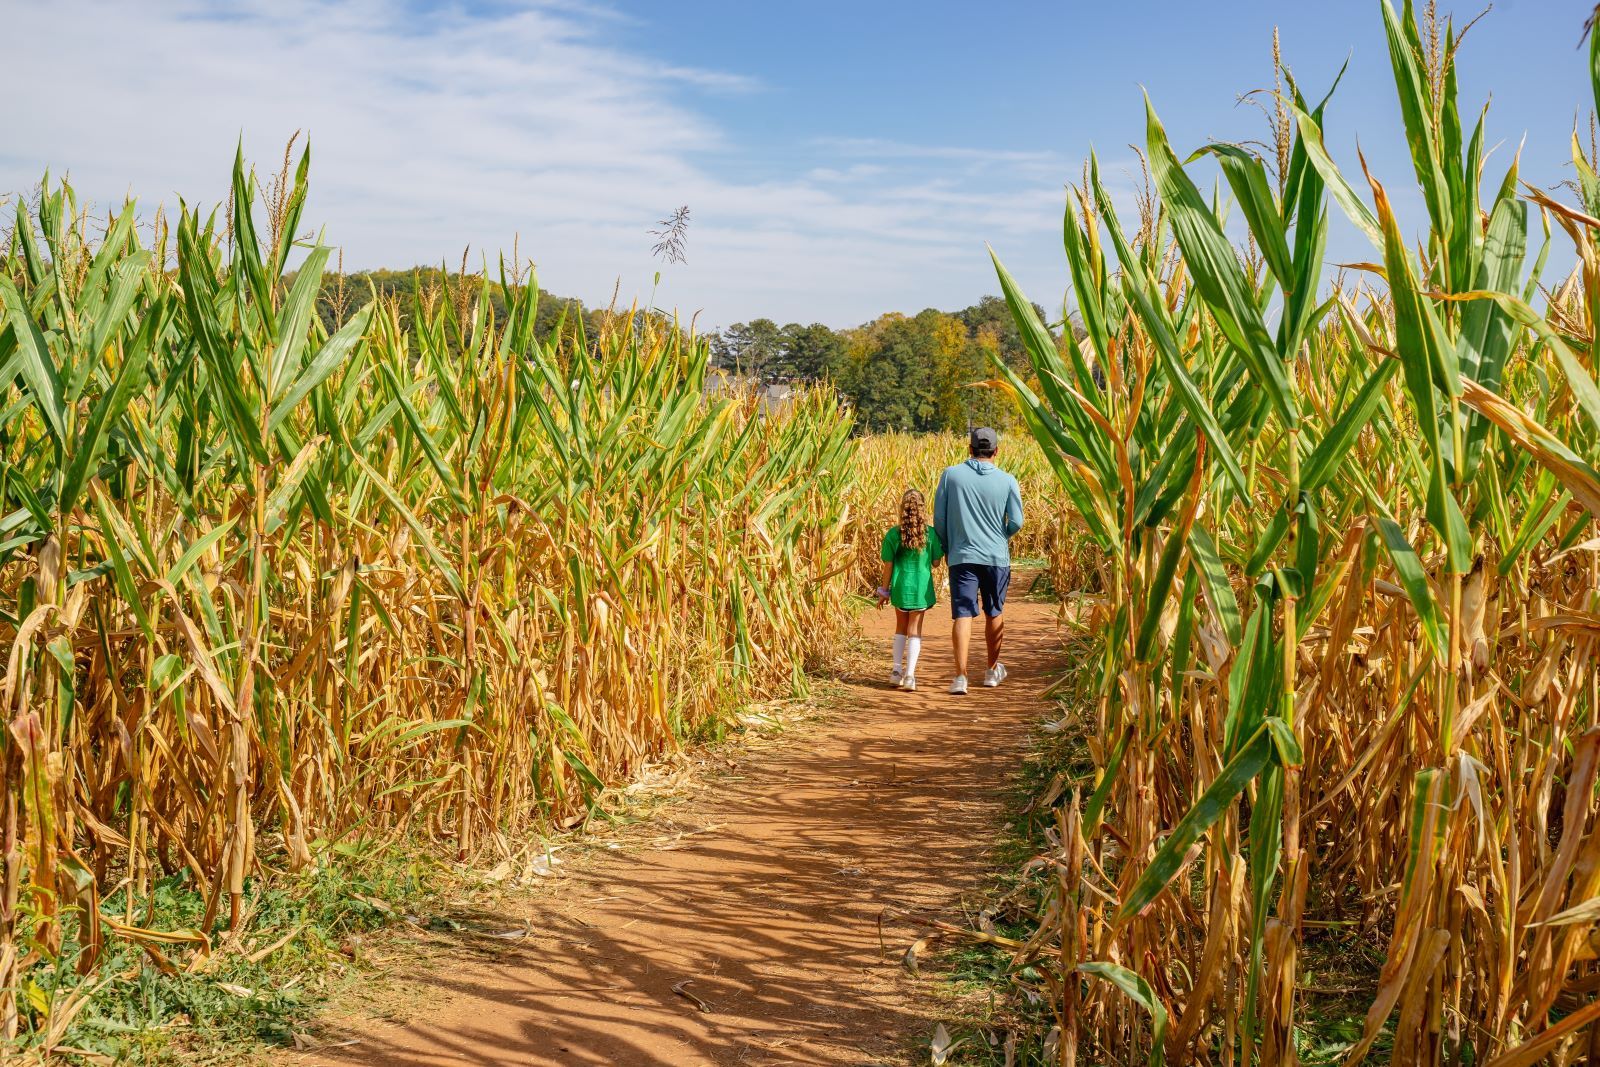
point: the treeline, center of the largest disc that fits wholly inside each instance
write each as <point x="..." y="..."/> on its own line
<point x="427" y="286"/>
<point x="899" y="372"/>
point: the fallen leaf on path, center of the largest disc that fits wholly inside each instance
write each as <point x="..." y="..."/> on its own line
<point x="909" y="960"/>
<point x="941" y="1046"/>
<point x="680" y="989"/>
<point x="305" y="1042"/>
<point x="541" y="866"/>
<point x="262" y="953"/>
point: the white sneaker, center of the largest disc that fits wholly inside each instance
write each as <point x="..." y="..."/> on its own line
<point x="959" y="686"/>
<point x="896" y="676"/>
<point x="909" y="683"/>
<point x="995" y="675"/>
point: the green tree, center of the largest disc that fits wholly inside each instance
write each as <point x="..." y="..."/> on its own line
<point x="812" y="352"/>
<point x="425" y="286"/>
<point x="991" y="313"/>
<point x="922" y="373"/>
<point x="754" y="348"/>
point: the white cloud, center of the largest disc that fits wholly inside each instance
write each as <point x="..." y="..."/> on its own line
<point x="438" y="127"/>
<point x="885" y="148"/>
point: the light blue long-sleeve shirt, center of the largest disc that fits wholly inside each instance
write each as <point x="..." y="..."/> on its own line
<point x="976" y="510"/>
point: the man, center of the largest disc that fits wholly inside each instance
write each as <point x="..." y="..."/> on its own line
<point x="976" y="510"/>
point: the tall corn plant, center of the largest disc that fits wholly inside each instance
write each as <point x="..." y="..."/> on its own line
<point x="1228" y="426"/>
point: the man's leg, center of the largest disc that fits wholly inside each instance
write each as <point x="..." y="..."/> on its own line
<point x="961" y="638"/>
<point x="996" y="583"/>
<point x="994" y="632"/>
<point x="964" y="605"/>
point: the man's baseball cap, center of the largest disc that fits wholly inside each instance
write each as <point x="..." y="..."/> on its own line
<point x="984" y="440"/>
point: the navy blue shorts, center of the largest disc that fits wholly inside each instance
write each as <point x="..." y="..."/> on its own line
<point x="971" y="582"/>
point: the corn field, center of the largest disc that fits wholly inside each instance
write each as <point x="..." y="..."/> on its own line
<point x="268" y="586"/>
<point x="1344" y="681"/>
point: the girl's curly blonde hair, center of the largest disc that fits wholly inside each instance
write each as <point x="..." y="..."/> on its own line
<point x="913" y="520"/>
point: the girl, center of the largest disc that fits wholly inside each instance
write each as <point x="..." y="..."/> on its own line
<point x="909" y="552"/>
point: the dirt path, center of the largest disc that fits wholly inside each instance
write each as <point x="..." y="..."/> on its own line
<point x="771" y="910"/>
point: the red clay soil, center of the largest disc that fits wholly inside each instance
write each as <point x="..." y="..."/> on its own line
<point x="771" y="909"/>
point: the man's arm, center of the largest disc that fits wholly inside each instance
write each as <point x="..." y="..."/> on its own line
<point x="940" y="504"/>
<point x="1013" y="510"/>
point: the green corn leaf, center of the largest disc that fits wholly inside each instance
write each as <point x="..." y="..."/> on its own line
<point x="296" y="316"/>
<point x="430" y="447"/>
<point x="34" y="364"/>
<point x="202" y="304"/>
<point x="113" y="252"/>
<point x="1414" y="580"/>
<point x="32" y="505"/>
<point x="1418" y="850"/>
<point x="127" y="281"/>
<point x="431" y="726"/>
<point x="1240" y="771"/>
<point x="1256" y="681"/>
<point x="592" y="785"/>
<point x="1217" y="273"/>
<point x="1137" y="284"/>
<point x="1142" y="994"/>
<point x="1218" y="589"/>
<point x="1317" y="153"/>
<point x="181" y="568"/>
<point x="1277" y="529"/>
<point x="1582" y="384"/>
<point x="1041" y="346"/>
<point x="108" y="409"/>
<point x="1594" y="68"/>
<point x="1285" y="744"/>
<point x="1247" y="176"/>
<point x="1429" y="362"/>
<point x="1444" y="513"/>
<point x="1160" y="588"/>
<point x="1538" y="515"/>
<point x="1416" y="109"/>
<point x="328" y="359"/>
<point x="1488" y="328"/>
<point x="293" y="208"/>
<point x="1328" y="457"/>
<point x="1088" y="277"/>
<point x="1265" y="844"/>
<point x="1108" y="778"/>
<point x="248" y="266"/>
<point x="127" y="586"/>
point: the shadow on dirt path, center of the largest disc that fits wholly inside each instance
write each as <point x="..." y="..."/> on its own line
<point x="771" y="910"/>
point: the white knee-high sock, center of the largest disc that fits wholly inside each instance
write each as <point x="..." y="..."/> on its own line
<point x="899" y="650"/>
<point x="913" y="650"/>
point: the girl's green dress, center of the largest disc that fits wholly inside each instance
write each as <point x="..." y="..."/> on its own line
<point x="911" y="582"/>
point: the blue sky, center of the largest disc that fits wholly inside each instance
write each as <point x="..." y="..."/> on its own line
<point x="839" y="159"/>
